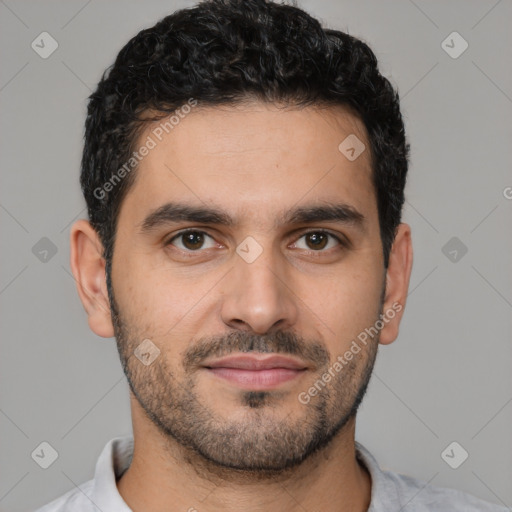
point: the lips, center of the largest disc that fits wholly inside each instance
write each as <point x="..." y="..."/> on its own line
<point x="256" y="372"/>
<point x="253" y="362"/>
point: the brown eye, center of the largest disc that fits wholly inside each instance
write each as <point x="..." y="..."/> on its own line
<point x="318" y="241"/>
<point x="191" y="240"/>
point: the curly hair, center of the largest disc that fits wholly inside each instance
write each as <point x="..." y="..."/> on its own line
<point x="227" y="52"/>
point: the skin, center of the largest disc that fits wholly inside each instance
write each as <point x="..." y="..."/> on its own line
<point x="256" y="162"/>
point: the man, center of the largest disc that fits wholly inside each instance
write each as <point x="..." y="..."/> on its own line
<point x="244" y="172"/>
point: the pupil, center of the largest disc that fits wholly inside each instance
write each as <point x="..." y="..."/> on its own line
<point x="318" y="240"/>
<point x="189" y="240"/>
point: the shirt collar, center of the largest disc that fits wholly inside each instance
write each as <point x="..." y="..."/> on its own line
<point x="114" y="460"/>
<point x="383" y="488"/>
<point x="117" y="455"/>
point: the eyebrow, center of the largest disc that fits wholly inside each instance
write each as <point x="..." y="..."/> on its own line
<point x="173" y="212"/>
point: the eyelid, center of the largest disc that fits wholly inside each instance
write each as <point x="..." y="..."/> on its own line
<point x="298" y="235"/>
<point x="337" y="236"/>
<point x="186" y="231"/>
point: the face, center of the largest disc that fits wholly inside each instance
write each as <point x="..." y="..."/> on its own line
<point x="247" y="261"/>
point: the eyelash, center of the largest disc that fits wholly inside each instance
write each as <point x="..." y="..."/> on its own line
<point x="341" y="242"/>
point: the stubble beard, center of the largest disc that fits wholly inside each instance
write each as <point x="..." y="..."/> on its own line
<point x="261" y="442"/>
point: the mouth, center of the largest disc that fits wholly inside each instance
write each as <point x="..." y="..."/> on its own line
<point x="256" y="372"/>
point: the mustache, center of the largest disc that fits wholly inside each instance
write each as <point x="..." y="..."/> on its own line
<point x="279" y="342"/>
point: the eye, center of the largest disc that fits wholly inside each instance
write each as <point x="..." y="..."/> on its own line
<point x="191" y="240"/>
<point x="318" y="241"/>
<point x="195" y="240"/>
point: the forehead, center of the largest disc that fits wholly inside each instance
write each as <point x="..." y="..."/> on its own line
<point x="254" y="158"/>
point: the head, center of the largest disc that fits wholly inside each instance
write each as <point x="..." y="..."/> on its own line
<point x="244" y="173"/>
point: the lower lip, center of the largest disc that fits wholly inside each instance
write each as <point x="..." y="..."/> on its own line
<point x="256" y="379"/>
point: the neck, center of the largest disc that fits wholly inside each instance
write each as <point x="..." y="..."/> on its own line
<point x="164" y="476"/>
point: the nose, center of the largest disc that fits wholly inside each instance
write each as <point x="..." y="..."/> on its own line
<point x="258" y="296"/>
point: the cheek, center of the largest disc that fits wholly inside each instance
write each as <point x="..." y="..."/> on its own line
<point x="138" y="291"/>
<point x="159" y="302"/>
<point x="349" y="301"/>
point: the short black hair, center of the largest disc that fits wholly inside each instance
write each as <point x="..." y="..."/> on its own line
<point x="227" y="52"/>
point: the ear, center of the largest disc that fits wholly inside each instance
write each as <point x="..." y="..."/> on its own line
<point x="88" y="267"/>
<point x="397" y="283"/>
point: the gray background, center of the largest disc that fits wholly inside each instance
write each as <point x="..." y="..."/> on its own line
<point x="447" y="377"/>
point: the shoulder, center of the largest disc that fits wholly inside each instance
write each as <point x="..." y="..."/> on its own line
<point x="99" y="493"/>
<point x="422" y="496"/>
<point x="395" y="491"/>
<point x="76" y="500"/>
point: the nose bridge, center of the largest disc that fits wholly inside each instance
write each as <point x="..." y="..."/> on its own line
<point x="257" y="267"/>
<point x="257" y="296"/>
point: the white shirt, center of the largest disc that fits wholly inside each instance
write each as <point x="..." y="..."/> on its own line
<point x="391" y="491"/>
